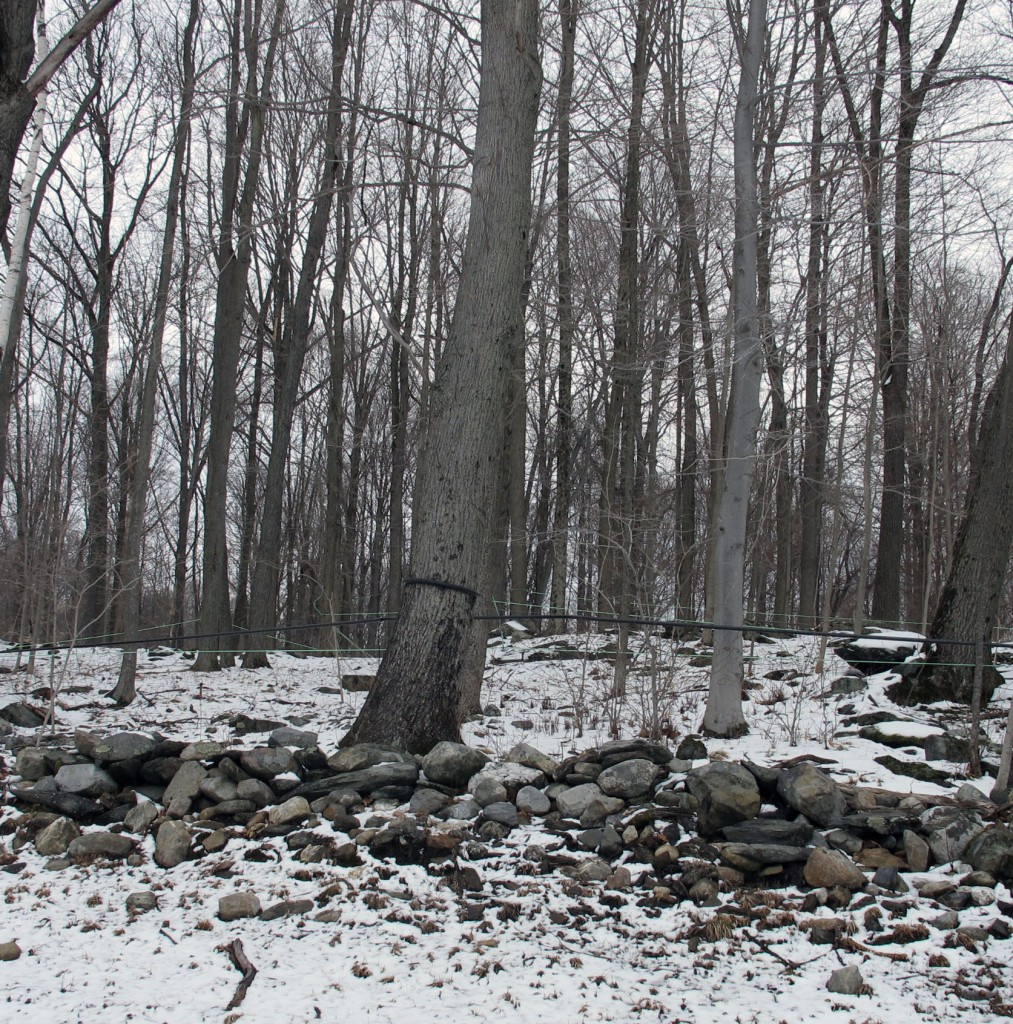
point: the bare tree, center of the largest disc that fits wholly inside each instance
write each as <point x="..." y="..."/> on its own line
<point x="415" y="700"/>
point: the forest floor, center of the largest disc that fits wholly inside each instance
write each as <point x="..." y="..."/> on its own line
<point x="400" y="948"/>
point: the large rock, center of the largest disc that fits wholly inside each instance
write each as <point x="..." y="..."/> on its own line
<point x="202" y="750"/>
<point x="287" y="736"/>
<point x="172" y="844"/>
<point x="85" y="780"/>
<point x="139" y="818"/>
<point x="848" y="981"/>
<point x="628" y="779"/>
<point x="32" y="764"/>
<point x="80" y="808"/>
<point x="396" y="774"/>
<point x="122" y="746"/>
<point x="56" y="837"/>
<point x="365" y="755"/>
<point x="770" y="830"/>
<point x="24" y="716"/>
<point x="625" y="750"/>
<point x="574" y="801"/>
<point x="992" y="850"/>
<point x="532" y="801"/>
<point x="811" y="792"/>
<point x="295" y="808"/>
<point x="185" y="783"/>
<point x="529" y="757"/>
<point x="452" y="764"/>
<point x="110" y="845"/>
<point x="826" y="868"/>
<point x="727" y="792"/>
<point x="238" y="905"/>
<point x="267" y="762"/>
<point x="949" y="830"/>
<point x="508" y="774"/>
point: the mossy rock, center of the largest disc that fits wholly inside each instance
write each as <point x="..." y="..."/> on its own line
<point x="913" y="769"/>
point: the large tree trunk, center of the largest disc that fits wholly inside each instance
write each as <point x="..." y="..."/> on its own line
<point x="416" y="699"/>
<point x="969" y="604"/>
<point x="723" y="716"/>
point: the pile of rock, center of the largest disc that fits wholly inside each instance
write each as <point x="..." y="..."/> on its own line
<point x="683" y="826"/>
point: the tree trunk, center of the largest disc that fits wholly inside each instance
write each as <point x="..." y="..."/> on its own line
<point x="130" y="565"/>
<point x="723" y="716"/>
<point x="234" y="257"/>
<point x="416" y="699"/>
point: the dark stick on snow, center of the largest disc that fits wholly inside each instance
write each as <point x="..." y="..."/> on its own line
<point x="241" y="963"/>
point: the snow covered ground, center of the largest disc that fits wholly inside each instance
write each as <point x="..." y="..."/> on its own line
<point x="389" y="943"/>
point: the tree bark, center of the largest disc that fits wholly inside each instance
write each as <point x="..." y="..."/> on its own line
<point x="416" y="698"/>
<point x="723" y="716"/>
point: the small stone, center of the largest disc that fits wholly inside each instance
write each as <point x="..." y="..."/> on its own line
<point x="428" y="801"/>
<point x="215" y="841"/>
<point x="620" y="879"/>
<point x="599" y="809"/>
<point x="691" y="748"/>
<point x="57" y="864"/>
<point x="463" y="810"/>
<point x="9" y="951"/>
<point x="141" y="902"/>
<point x="31" y="764"/>
<point x="238" y="905"/>
<point x="848" y="981"/>
<point x="122" y="746"/>
<point x="287" y="908"/>
<point x="172" y="844"/>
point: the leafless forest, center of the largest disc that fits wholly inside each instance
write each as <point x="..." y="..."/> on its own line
<point x="234" y="248"/>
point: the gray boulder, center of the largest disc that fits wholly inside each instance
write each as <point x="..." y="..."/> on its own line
<point x="811" y="792"/>
<point x="172" y="844"/>
<point x="452" y="764"/>
<point x="949" y="830"/>
<point x="827" y="868"/>
<point x="24" y="716"/>
<point x="599" y="809"/>
<point x="625" y="750"/>
<point x="628" y="779"/>
<point x="85" y="780"/>
<point x="31" y="764"/>
<point x="427" y="801"/>
<point x="185" y="783"/>
<point x="509" y="774"/>
<point x="573" y="802"/>
<point x="295" y="808"/>
<point x="727" y="792"/>
<point x="529" y="757"/>
<point x="503" y="811"/>
<point x="532" y="801"/>
<point x="991" y="850"/>
<point x="139" y="818"/>
<point x="365" y="755"/>
<point x="238" y="905"/>
<point x="56" y="837"/>
<point x="258" y="792"/>
<point x="392" y="774"/>
<point x="142" y="902"/>
<point x="488" y="790"/>
<point x="286" y="736"/>
<point x="218" y="788"/>
<point x="110" y="845"/>
<point x="202" y="750"/>
<point x="267" y="762"/>
<point x="122" y="746"/>
<point x="848" y="981"/>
